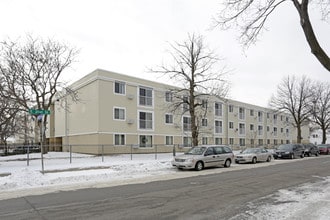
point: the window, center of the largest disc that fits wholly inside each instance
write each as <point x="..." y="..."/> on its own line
<point x="218" y="141"/>
<point x="218" y="109"/>
<point x="168" y="119"/>
<point x="268" y="128"/>
<point x="145" y="96"/>
<point x="119" y="139"/>
<point x="185" y="105"/>
<point x="231" y="141"/>
<point x="260" y="128"/>
<point x="145" y="141"/>
<point x="275" y="118"/>
<point x="241" y="112"/>
<point x="275" y="142"/>
<point x="242" y="142"/>
<point x="119" y="113"/>
<point x="267" y="115"/>
<point x="268" y="141"/>
<point x="168" y="97"/>
<point x="231" y="125"/>
<point x="231" y="108"/>
<point x="287" y="132"/>
<point x="169" y="140"/>
<point x="145" y="120"/>
<point x="241" y="127"/>
<point x="251" y="112"/>
<point x="204" y="140"/>
<point x="282" y="130"/>
<point x="251" y="127"/>
<point x="119" y="87"/>
<point x="275" y="131"/>
<point x="260" y="115"/>
<point x="187" y="142"/>
<point x="260" y="142"/>
<point x="204" y="122"/>
<point x="218" y="127"/>
<point x="204" y="103"/>
<point x="186" y="123"/>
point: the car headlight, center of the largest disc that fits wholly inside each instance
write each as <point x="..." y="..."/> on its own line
<point x="190" y="160"/>
<point x="287" y="152"/>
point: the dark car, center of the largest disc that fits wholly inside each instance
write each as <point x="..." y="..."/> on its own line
<point x="311" y="149"/>
<point x="290" y="151"/>
<point x="26" y="149"/>
<point x="324" y="148"/>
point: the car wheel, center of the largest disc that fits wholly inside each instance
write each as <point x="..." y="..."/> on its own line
<point x="199" y="166"/>
<point x="254" y="160"/>
<point x="269" y="159"/>
<point x="317" y="154"/>
<point x="227" y="163"/>
<point x="292" y="156"/>
<point x="302" y="156"/>
<point x="237" y="161"/>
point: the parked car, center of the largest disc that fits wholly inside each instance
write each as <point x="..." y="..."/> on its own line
<point x="203" y="156"/>
<point x="324" y="148"/>
<point x="290" y="151"/>
<point x="26" y="148"/>
<point x="311" y="149"/>
<point x="253" y="155"/>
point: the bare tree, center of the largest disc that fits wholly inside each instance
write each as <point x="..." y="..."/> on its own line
<point x="294" y="96"/>
<point x="321" y="108"/>
<point x="193" y="68"/>
<point x="31" y="71"/>
<point x="250" y="17"/>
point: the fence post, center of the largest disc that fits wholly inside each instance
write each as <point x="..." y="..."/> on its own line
<point x="70" y="153"/>
<point x="156" y="152"/>
<point x="28" y="156"/>
<point x="131" y="151"/>
<point x="102" y="153"/>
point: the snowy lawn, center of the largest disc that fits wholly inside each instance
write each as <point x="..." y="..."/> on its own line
<point x="17" y="179"/>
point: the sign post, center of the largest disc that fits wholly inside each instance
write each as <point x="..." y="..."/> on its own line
<point x="40" y="113"/>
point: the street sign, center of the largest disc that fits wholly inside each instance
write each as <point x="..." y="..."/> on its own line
<point x="39" y="112"/>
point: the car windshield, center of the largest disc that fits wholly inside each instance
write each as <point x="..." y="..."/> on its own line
<point x="196" y="151"/>
<point x="250" y="151"/>
<point x="284" y="147"/>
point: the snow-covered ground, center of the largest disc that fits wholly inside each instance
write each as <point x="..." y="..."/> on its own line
<point x="17" y="179"/>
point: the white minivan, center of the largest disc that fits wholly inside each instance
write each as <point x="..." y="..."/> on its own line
<point x="203" y="156"/>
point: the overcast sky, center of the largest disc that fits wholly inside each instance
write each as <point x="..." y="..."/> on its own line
<point x="130" y="36"/>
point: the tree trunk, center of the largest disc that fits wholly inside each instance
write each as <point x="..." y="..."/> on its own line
<point x="324" y="135"/>
<point x="299" y="134"/>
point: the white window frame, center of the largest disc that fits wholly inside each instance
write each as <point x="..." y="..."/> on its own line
<point x="241" y="130"/>
<point x="241" y="113"/>
<point x="120" y="136"/>
<point x="169" y="140"/>
<point x="121" y="85"/>
<point x="144" y="145"/>
<point x="168" y="96"/>
<point x="114" y="113"/>
<point x="148" y="100"/>
<point x="218" y="110"/>
<point x="152" y="120"/>
<point x="186" y="126"/>
<point x="170" y="117"/>
<point x="218" y="129"/>
<point x="231" y="125"/>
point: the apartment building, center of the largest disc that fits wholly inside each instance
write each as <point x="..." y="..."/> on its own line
<point x="120" y="111"/>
